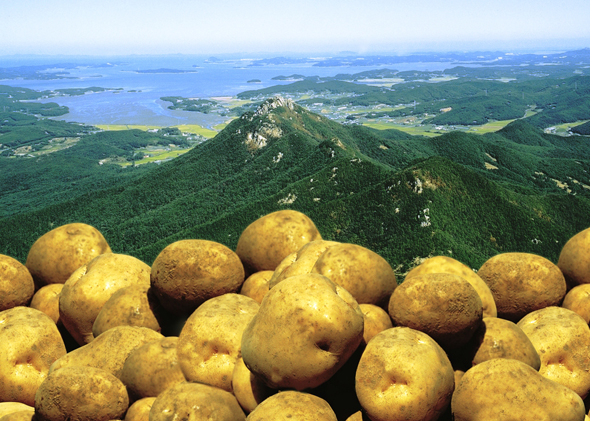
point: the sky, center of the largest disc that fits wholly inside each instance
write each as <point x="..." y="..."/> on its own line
<point x="120" y="27"/>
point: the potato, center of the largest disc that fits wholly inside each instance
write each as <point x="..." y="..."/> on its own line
<point x="152" y="368"/>
<point x="256" y="285"/>
<point x="133" y="305"/>
<point x="16" y="283"/>
<point x="293" y="406"/>
<point x="306" y="329"/>
<point x="209" y="343"/>
<point x="404" y="374"/>
<point x="268" y="240"/>
<point x="442" y="305"/>
<point x="58" y="253"/>
<point x="522" y="283"/>
<point x="7" y="408"/>
<point x="81" y="393"/>
<point x="46" y="300"/>
<point x="90" y="287"/>
<point x="300" y="262"/>
<point x="573" y="259"/>
<point x="196" y="401"/>
<point x="444" y="264"/>
<point x="248" y="389"/>
<point x="578" y="301"/>
<point x="376" y="320"/>
<point x="562" y="340"/>
<point x="366" y="275"/>
<point x="29" y="344"/>
<point x="25" y="415"/>
<point x="189" y="272"/>
<point x="506" y="389"/>
<point x="109" y="350"/>
<point x="140" y="410"/>
<point x="500" y="338"/>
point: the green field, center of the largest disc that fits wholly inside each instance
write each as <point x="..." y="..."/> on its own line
<point x="413" y="130"/>
<point x="186" y="128"/>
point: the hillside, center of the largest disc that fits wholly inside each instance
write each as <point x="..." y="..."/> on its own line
<point x="404" y="197"/>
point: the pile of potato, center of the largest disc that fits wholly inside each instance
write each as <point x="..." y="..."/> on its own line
<point x="289" y="327"/>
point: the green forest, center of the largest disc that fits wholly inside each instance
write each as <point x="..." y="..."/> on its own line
<point x="406" y="197"/>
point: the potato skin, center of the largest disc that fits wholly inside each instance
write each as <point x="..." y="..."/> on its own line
<point x="46" y="300"/>
<point x="256" y="285"/>
<point x="29" y="344"/>
<point x="293" y="406"/>
<point x="500" y="338"/>
<point x="109" y="350"/>
<point x="248" y="389"/>
<point x="152" y="368"/>
<point x="90" y="287"/>
<point x="58" y="253"/>
<point x="578" y="301"/>
<point x="522" y="283"/>
<point x="140" y="410"/>
<point x="362" y="272"/>
<point x="376" y="320"/>
<point x="306" y="329"/>
<point x="16" y="283"/>
<point x="442" y="305"/>
<point x="81" y="393"/>
<point x="404" y="374"/>
<point x="268" y="240"/>
<point x="133" y="305"/>
<point x="189" y="272"/>
<point x="573" y="259"/>
<point x="210" y="341"/>
<point x="562" y="339"/>
<point x="445" y="264"/>
<point x="505" y="389"/>
<point x="196" y="401"/>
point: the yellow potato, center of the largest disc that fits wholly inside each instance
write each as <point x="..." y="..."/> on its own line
<point x="522" y="283"/>
<point x="29" y="344"/>
<point x="133" y="305"/>
<point x="140" y="410"/>
<point x="506" y="389"/>
<point x="46" y="300"/>
<point x="578" y="300"/>
<point x="376" y="320"/>
<point x="26" y="415"/>
<point x="109" y="350"/>
<point x="248" y="389"/>
<point x="189" y="272"/>
<point x="152" y="368"/>
<point x="16" y="283"/>
<point x="573" y="259"/>
<point x="300" y="262"/>
<point x="90" y="287"/>
<point x="196" y="401"/>
<point x="81" y="393"/>
<point x="58" y="253"/>
<point x="562" y="340"/>
<point x="293" y="406"/>
<point x="209" y="343"/>
<point x="500" y="338"/>
<point x="444" y="264"/>
<point x="7" y="408"/>
<point x="362" y="272"/>
<point x="306" y="329"/>
<point x="256" y="285"/>
<point x="268" y="240"/>
<point x="442" y="305"/>
<point x="404" y="375"/>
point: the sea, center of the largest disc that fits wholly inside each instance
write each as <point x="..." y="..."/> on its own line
<point x="143" y="80"/>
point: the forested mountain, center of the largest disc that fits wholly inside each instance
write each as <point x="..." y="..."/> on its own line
<point x="405" y="197"/>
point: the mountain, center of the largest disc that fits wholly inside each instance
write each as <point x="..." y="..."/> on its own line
<point x="405" y="197"/>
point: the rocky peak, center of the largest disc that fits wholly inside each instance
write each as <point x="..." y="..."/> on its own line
<point x="272" y="103"/>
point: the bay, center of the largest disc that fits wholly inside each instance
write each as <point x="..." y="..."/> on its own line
<point x="143" y="83"/>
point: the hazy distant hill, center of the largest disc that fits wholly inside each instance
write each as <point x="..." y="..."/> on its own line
<point x="405" y="197"/>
